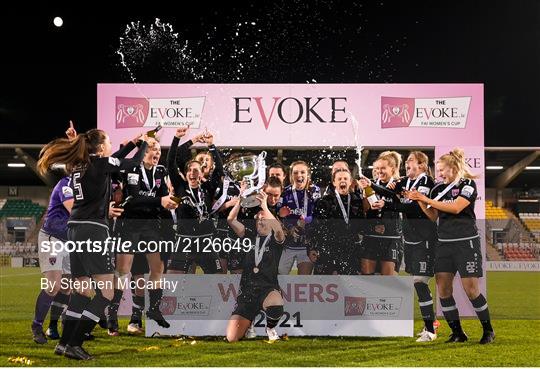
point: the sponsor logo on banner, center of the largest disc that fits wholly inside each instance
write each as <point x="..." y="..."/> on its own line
<point x="290" y="110"/>
<point x="372" y="306"/>
<point x="513" y="266"/>
<point x="438" y="112"/>
<point x="186" y="305"/>
<point x="168" y="305"/>
<point x="171" y="112"/>
<point x="354" y="305"/>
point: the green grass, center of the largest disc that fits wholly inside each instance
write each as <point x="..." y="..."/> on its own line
<point x="514" y="300"/>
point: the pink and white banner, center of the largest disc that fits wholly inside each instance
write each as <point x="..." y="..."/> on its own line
<point x="306" y="115"/>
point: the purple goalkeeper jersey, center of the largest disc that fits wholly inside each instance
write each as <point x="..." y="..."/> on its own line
<point x="57" y="215"/>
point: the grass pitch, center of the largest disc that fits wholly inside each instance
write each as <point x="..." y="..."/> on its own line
<point x="514" y="300"/>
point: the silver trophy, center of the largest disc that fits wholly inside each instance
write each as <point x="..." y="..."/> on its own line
<point x="251" y="169"/>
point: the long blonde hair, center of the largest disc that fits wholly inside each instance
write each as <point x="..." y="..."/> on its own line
<point x="393" y="159"/>
<point x="456" y="160"/>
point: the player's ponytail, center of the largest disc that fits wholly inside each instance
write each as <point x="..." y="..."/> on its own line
<point x="456" y="160"/>
<point x="422" y="160"/>
<point x="393" y="159"/>
<point x="73" y="153"/>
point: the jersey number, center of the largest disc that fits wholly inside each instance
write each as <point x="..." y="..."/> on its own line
<point x="77" y="186"/>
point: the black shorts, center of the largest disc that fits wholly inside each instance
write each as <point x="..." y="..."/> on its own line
<point x="182" y="261"/>
<point x="420" y="258"/>
<point x="141" y="238"/>
<point x="464" y="257"/>
<point x="381" y="249"/>
<point x="250" y="302"/>
<point x="87" y="262"/>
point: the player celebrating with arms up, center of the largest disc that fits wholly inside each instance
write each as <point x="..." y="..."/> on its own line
<point x="193" y="213"/>
<point x="88" y="158"/>
<point x="146" y="184"/>
<point x="452" y="204"/>
<point x="259" y="288"/>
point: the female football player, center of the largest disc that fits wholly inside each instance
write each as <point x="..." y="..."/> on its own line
<point x="146" y="184"/>
<point x="336" y="226"/>
<point x="53" y="266"/>
<point x="296" y="211"/>
<point x="382" y="242"/>
<point x="451" y="203"/>
<point x="88" y="158"/>
<point x="195" y="228"/>
<point x="259" y="288"/>
<point x="420" y="236"/>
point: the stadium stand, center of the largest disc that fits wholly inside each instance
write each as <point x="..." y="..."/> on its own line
<point x="532" y="223"/>
<point x="28" y="216"/>
<point x="21" y="209"/>
<point x="514" y="235"/>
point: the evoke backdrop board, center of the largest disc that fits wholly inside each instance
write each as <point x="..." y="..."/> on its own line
<point x="308" y="116"/>
<point x="292" y="115"/>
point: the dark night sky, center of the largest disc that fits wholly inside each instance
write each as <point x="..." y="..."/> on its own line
<point x="49" y="74"/>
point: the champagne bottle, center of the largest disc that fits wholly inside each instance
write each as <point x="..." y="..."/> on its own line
<point x="371" y="195"/>
<point x="152" y="133"/>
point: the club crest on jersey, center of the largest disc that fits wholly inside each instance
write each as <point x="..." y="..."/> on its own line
<point x="52" y="260"/>
<point x="423" y="190"/>
<point x="296" y="211"/>
<point x="455" y="192"/>
<point x="133" y="179"/>
<point x="158" y="182"/>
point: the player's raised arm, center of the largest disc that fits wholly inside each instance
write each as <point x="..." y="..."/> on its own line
<point x="232" y="219"/>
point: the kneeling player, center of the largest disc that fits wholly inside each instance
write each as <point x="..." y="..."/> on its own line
<point x="259" y="288"/>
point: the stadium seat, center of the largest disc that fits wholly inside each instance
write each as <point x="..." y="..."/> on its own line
<point x="21" y="209"/>
<point x="495" y="213"/>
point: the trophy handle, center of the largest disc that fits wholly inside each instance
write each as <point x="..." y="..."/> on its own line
<point x="259" y="174"/>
